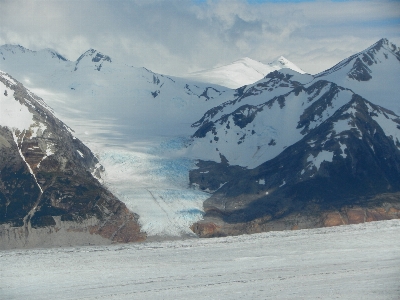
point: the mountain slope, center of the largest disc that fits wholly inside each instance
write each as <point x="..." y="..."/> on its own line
<point x="347" y="170"/>
<point x="250" y="134"/>
<point x="300" y="151"/>
<point x="242" y="72"/>
<point x="48" y="192"/>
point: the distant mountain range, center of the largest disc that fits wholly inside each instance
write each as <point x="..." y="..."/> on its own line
<point x="284" y="150"/>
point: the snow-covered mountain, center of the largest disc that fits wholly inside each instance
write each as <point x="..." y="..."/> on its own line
<point x="346" y="170"/>
<point x="292" y="149"/>
<point x="266" y="117"/>
<point x="49" y="188"/>
<point x="273" y="154"/>
<point x="252" y="129"/>
<point x="116" y="90"/>
<point x="136" y="121"/>
<point x="242" y="72"/>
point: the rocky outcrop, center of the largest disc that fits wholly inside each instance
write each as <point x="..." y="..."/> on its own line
<point x="215" y="227"/>
<point x="50" y="193"/>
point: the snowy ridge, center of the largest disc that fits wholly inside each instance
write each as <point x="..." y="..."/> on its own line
<point x="242" y="72"/>
<point x="372" y="73"/>
<point x="282" y="63"/>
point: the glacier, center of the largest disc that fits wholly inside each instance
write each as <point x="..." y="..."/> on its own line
<point x="346" y="262"/>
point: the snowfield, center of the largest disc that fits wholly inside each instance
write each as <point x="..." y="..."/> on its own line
<point x="347" y="262"/>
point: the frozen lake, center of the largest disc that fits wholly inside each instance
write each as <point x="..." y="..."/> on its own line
<point x="348" y="262"/>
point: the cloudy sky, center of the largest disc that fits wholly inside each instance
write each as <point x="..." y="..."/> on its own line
<point x="179" y="36"/>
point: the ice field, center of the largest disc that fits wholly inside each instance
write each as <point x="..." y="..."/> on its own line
<point x="346" y="262"/>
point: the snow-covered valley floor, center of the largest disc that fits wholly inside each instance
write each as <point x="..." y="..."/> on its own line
<point x="347" y="262"/>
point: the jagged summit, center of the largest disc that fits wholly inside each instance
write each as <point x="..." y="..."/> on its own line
<point x="376" y="54"/>
<point x="282" y="62"/>
<point x="92" y="56"/>
<point x="372" y="73"/>
<point x="96" y="56"/>
<point x="242" y="72"/>
<point x="384" y="42"/>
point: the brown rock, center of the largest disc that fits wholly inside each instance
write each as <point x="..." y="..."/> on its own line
<point x="333" y="219"/>
<point x="356" y="215"/>
<point x="205" y="229"/>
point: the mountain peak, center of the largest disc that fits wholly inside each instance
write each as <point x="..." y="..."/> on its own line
<point x="242" y="72"/>
<point x="283" y="62"/>
<point x="386" y="44"/>
<point x="96" y="56"/>
<point x="93" y="56"/>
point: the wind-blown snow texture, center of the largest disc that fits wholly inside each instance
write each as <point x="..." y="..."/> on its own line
<point x="347" y="262"/>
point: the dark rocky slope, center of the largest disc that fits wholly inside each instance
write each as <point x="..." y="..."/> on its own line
<point x="49" y="195"/>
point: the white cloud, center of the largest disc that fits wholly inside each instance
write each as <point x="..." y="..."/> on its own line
<point x="177" y="36"/>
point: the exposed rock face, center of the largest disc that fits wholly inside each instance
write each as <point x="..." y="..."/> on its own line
<point x="48" y="189"/>
<point x="214" y="227"/>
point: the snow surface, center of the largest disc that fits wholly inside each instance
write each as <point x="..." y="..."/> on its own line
<point x="321" y="157"/>
<point x="242" y="72"/>
<point x="13" y="114"/>
<point x="346" y="262"/>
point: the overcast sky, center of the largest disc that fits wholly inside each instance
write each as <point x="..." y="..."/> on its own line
<point x="179" y="36"/>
